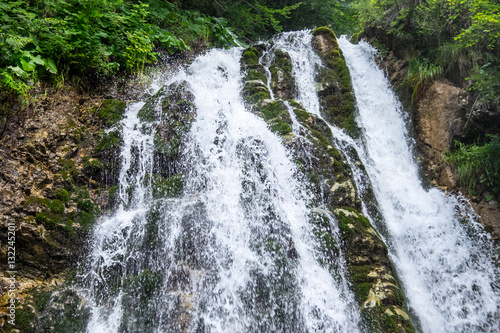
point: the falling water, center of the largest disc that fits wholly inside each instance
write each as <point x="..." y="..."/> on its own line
<point x="442" y="255"/>
<point x="235" y="251"/>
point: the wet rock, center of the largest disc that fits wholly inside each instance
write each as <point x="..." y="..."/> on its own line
<point x="328" y="178"/>
<point x="439" y="119"/>
<point x="46" y="191"/>
<point x="282" y="80"/>
<point x="172" y="111"/>
<point x="336" y="100"/>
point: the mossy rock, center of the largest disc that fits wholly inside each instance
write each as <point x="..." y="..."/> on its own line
<point x="275" y="113"/>
<point x="174" y="101"/>
<point x="140" y="310"/>
<point x="282" y="79"/>
<point x="57" y="310"/>
<point x="335" y="89"/>
<point x="373" y="278"/>
<point x="103" y="165"/>
<point x="256" y="74"/>
<point x="251" y="56"/>
<point x="111" y="111"/>
<point x="255" y="91"/>
<point x="329" y="166"/>
<point x="109" y="141"/>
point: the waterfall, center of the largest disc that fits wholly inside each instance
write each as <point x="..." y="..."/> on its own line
<point x="234" y="251"/>
<point x="443" y="256"/>
<point x="214" y="230"/>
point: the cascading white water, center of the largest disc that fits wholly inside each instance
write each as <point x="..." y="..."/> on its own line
<point x="442" y="255"/>
<point x="446" y="267"/>
<point x="235" y="252"/>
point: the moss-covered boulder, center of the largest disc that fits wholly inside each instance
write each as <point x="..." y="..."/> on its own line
<point x="54" y="309"/>
<point x="255" y="86"/>
<point x="275" y="113"/>
<point x="282" y="80"/>
<point x="171" y="111"/>
<point x="328" y="173"/>
<point x="334" y="82"/>
<point x="374" y="280"/>
<point x="111" y="111"/>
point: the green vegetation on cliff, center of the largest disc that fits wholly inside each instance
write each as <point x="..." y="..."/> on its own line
<point x="458" y="41"/>
<point x="85" y="42"/>
<point x="478" y="166"/>
<point x="454" y="39"/>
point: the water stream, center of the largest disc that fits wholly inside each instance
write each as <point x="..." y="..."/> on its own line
<point x="442" y="254"/>
<point x="235" y="252"/>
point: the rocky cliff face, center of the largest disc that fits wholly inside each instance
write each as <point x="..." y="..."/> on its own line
<point x="57" y="173"/>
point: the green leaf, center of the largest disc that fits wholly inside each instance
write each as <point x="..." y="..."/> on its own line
<point x="50" y="65"/>
<point x="27" y="66"/>
<point x="18" y="71"/>
<point x="37" y="60"/>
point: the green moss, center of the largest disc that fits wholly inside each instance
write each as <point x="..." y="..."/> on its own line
<point x="72" y="318"/>
<point x="91" y="163"/>
<point x="361" y="291"/>
<point x="324" y="31"/>
<point x="273" y="109"/>
<point x="282" y="79"/>
<point x="153" y="219"/>
<point x="166" y="187"/>
<point x="25" y="321"/>
<point x="147" y="113"/>
<point x="67" y="164"/>
<point x="258" y="96"/>
<point x="253" y="74"/>
<point x="328" y="243"/>
<point x="57" y="206"/>
<point x="302" y="116"/>
<point x="71" y="277"/>
<point x="169" y="148"/>
<point x="388" y="324"/>
<point x="278" y="126"/>
<point x="46" y="218"/>
<point x="113" y="195"/>
<point x="360" y="273"/>
<point x="328" y="33"/>
<point x="111" y="111"/>
<point x="108" y="141"/>
<point x="251" y="56"/>
<point x="143" y="285"/>
<point x="87" y="220"/>
<point x="86" y="205"/>
<point x="355" y="38"/>
<point x="69" y="227"/>
<point x="63" y="195"/>
<point x="357" y="220"/>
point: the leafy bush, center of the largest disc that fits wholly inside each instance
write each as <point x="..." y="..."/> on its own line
<point x="455" y="38"/>
<point x="88" y="40"/>
<point x="478" y="166"/>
